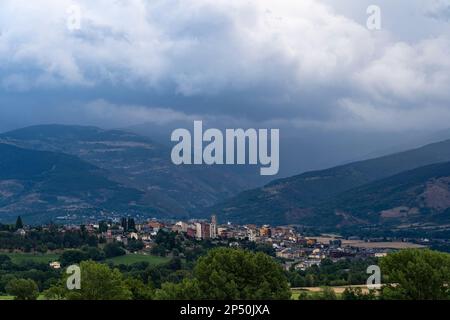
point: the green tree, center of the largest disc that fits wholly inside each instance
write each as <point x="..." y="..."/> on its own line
<point x="135" y="245"/>
<point x="94" y="253"/>
<point x="233" y="274"/>
<point x="70" y="257"/>
<point x="188" y="289"/>
<point x="124" y="224"/>
<point x="159" y="250"/>
<point x="131" y="224"/>
<point x="22" y="289"/>
<point x="99" y="282"/>
<point x="138" y="289"/>
<point x="310" y="280"/>
<point x="4" y="259"/>
<point x="357" y="293"/>
<point x="103" y="226"/>
<point x="19" y="223"/>
<point x="326" y="293"/>
<point x="112" y="250"/>
<point x="56" y="292"/>
<point x="4" y="280"/>
<point x="415" y="274"/>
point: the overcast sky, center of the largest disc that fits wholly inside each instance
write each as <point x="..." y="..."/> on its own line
<point x="305" y="64"/>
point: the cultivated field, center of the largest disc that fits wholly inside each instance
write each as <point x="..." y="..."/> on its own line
<point x="381" y="245"/>
<point x="370" y="245"/>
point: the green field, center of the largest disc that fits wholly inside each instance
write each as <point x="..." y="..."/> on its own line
<point x="49" y="257"/>
<point x="135" y="258"/>
<point x="42" y="258"/>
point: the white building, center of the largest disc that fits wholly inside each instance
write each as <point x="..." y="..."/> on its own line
<point x="198" y="230"/>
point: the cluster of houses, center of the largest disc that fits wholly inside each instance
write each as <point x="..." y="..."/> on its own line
<point x="293" y="248"/>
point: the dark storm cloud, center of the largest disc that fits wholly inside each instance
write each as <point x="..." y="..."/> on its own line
<point x="293" y="64"/>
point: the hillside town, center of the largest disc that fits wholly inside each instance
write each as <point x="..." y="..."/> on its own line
<point x="290" y="246"/>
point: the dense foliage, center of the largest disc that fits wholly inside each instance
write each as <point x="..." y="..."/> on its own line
<point x="40" y="273"/>
<point x="232" y="274"/>
<point x="22" y="289"/>
<point x="99" y="282"/>
<point x="416" y="275"/>
<point x="42" y="240"/>
<point x="329" y="273"/>
<point x="221" y="274"/>
<point x="204" y="270"/>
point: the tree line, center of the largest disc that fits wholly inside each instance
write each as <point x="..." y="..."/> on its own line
<point x="233" y="274"/>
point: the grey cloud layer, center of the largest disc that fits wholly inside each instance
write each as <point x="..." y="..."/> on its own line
<point x="299" y="62"/>
<point x="440" y="10"/>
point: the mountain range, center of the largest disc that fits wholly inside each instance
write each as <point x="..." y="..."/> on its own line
<point x="55" y="170"/>
<point x="136" y="163"/>
<point x="43" y="185"/>
<point x="388" y="188"/>
<point x="411" y="198"/>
